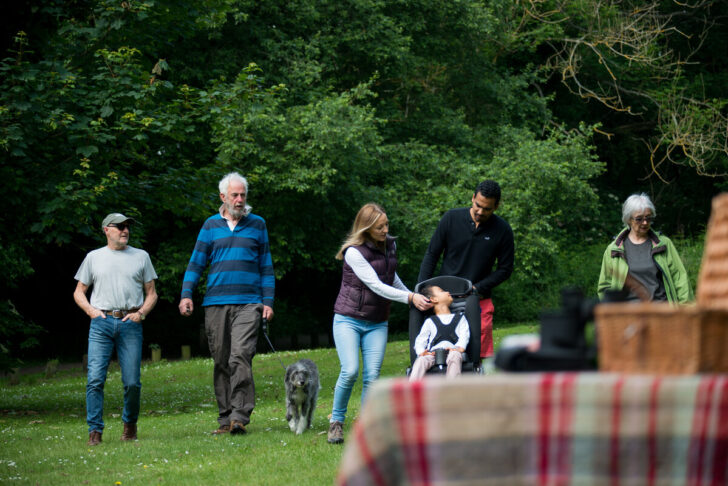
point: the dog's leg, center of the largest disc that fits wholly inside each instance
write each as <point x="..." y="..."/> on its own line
<point x="302" y="424"/>
<point x="303" y="419"/>
<point x="310" y="407"/>
<point x="292" y="416"/>
<point x="310" y="414"/>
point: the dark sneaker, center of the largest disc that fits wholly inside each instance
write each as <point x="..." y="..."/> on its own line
<point x="130" y="432"/>
<point x="223" y="429"/>
<point x="94" y="438"/>
<point x="336" y="432"/>
<point x="237" y="427"/>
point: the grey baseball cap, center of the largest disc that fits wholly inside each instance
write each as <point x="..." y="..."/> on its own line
<point x="116" y="218"/>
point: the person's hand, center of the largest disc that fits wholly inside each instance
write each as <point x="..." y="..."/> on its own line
<point x="459" y="349"/>
<point x="133" y="316"/>
<point x="267" y="313"/>
<point x="426" y="353"/>
<point x="96" y="313"/>
<point x="186" y="306"/>
<point x="421" y="302"/>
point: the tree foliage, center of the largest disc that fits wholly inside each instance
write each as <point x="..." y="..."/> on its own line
<point x="141" y="106"/>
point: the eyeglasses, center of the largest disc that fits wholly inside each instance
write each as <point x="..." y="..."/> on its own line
<point x="120" y="227"/>
<point x="644" y="219"/>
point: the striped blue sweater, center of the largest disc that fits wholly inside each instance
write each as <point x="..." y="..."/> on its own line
<point x="241" y="268"/>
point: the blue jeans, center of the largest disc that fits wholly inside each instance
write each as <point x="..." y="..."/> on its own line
<point x="351" y="335"/>
<point x="103" y="336"/>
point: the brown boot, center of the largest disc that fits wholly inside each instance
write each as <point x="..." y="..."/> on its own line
<point x="223" y="429"/>
<point x="94" y="438"/>
<point x="130" y="432"/>
<point x="237" y="427"/>
<point x="336" y="433"/>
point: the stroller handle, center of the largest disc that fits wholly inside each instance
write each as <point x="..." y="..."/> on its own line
<point x="457" y="286"/>
<point x="464" y="294"/>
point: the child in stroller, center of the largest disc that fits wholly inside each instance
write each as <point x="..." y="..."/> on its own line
<point x="442" y="331"/>
<point x="465" y="302"/>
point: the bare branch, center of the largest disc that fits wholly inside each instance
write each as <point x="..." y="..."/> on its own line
<point x="598" y="52"/>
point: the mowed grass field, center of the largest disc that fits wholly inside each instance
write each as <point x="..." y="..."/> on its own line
<point x="43" y="431"/>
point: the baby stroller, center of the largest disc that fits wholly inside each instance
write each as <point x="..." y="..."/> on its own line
<point x="465" y="301"/>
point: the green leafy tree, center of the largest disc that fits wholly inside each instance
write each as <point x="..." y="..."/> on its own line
<point x="141" y="106"/>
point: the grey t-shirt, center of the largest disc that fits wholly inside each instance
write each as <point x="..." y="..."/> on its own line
<point x="117" y="277"/>
<point x="642" y="267"/>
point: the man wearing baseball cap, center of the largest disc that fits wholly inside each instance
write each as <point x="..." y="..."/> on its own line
<point x="122" y="296"/>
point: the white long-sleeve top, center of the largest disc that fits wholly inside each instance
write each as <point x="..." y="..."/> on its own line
<point x="429" y="331"/>
<point x="365" y="272"/>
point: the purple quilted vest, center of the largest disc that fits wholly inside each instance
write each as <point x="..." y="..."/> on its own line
<point x="355" y="299"/>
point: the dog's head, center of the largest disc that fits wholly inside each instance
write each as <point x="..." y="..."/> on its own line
<point x="297" y="375"/>
<point x="301" y="374"/>
<point x="299" y="378"/>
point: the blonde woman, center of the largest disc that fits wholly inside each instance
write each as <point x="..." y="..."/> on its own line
<point x="369" y="283"/>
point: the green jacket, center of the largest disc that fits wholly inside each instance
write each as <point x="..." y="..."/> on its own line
<point x="674" y="277"/>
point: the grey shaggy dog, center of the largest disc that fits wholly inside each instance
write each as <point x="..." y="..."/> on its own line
<point x="302" y="387"/>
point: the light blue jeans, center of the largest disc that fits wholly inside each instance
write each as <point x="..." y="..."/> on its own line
<point x="103" y="336"/>
<point x="350" y="336"/>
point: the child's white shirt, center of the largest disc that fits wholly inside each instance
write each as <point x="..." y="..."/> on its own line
<point x="429" y="331"/>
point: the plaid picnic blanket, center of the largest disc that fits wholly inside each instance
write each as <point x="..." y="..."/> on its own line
<point x="542" y="429"/>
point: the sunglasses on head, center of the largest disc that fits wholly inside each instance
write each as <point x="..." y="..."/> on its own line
<point x="120" y="226"/>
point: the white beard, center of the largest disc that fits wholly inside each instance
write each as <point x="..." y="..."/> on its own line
<point x="235" y="213"/>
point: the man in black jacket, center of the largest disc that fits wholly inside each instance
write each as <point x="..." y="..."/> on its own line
<point x="471" y="241"/>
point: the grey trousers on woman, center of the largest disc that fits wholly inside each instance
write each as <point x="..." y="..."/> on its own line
<point x="232" y="334"/>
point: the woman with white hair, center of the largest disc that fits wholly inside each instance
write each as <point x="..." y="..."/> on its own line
<point x="641" y="261"/>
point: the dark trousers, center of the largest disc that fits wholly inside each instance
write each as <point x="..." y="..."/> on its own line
<point x="232" y="334"/>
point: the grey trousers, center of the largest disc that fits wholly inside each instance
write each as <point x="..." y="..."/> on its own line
<point x="232" y="334"/>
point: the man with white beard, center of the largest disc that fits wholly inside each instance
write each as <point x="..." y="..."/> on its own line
<point x="240" y="289"/>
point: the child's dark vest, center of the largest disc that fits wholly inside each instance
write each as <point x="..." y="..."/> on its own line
<point x="355" y="299"/>
<point x="445" y="332"/>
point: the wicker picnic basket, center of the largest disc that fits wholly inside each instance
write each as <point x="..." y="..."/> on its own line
<point x="713" y="279"/>
<point x="658" y="337"/>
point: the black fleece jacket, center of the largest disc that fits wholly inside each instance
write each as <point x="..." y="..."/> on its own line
<point x="471" y="252"/>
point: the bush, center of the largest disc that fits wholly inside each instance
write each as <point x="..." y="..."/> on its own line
<point x="691" y="252"/>
<point x="522" y="299"/>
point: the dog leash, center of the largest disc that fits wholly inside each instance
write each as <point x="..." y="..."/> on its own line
<point x="265" y="333"/>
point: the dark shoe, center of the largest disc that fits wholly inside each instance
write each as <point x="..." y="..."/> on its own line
<point x="336" y="433"/>
<point x="94" y="438"/>
<point x="237" y="427"/>
<point x="223" y="429"/>
<point x="130" y="432"/>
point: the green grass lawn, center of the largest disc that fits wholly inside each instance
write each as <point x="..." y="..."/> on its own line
<point x="43" y="428"/>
